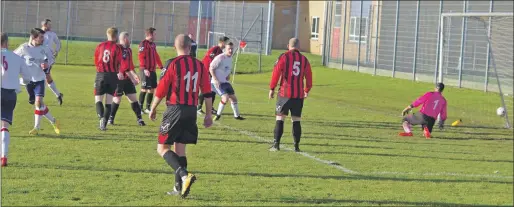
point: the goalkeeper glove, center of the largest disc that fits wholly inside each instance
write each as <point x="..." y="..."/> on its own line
<point x="406" y="111"/>
<point x="441" y="124"/>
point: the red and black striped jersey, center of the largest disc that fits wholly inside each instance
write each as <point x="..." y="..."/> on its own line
<point x="291" y="69"/>
<point x="148" y="57"/>
<point x="210" y="55"/>
<point x="181" y="80"/>
<point x="108" y="57"/>
<point x="127" y="64"/>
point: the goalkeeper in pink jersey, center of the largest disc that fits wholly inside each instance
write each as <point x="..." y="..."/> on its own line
<point x="434" y="104"/>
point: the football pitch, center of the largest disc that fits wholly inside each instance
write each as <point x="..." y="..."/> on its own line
<point x="351" y="154"/>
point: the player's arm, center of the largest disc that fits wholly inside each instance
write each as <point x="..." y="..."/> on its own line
<point x="308" y="78"/>
<point x="49" y="55"/>
<point x="24" y="71"/>
<point x="57" y="44"/>
<point x="96" y="55"/>
<point x="19" y="51"/>
<point x="158" y="60"/>
<point x="142" y="56"/>
<point x="277" y="72"/>
<point x="206" y="89"/>
<point x="416" y="103"/>
<point x="162" y="89"/>
<point x="443" y="115"/>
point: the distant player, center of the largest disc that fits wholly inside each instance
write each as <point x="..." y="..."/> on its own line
<point x="126" y="86"/>
<point x="38" y="58"/>
<point x="108" y="58"/>
<point x="291" y="69"/>
<point x="149" y="60"/>
<point x="207" y="59"/>
<point x="220" y="69"/>
<point x="51" y="39"/>
<point x="12" y="67"/>
<point x="180" y="83"/>
<point x="193" y="46"/>
<point x="434" y="104"/>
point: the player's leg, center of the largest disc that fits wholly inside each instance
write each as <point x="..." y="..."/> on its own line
<point x="41" y="110"/>
<point x="408" y="121"/>
<point x="145" y="86"/>
<point x="51" y="84"/>
<point x="213" y="98"/>
<point x="109" y="95"/>
<point x="281" y="111"/>
<point x="30" y="91"/>
<point x="132" y="97"/>
<point x="180" y="150"/>
<point x="8" y="104"/>
<point x="429" y="125"/>
<point x="118" y="93"/>
<point x="200" y="104"/>
<point x="150" y="92"/>
<point x="233" y="101"/>
<point x="296" y="117"/>
<point x="99" y="92"/>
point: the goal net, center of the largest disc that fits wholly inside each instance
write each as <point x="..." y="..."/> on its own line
<point x="475" y="51"/>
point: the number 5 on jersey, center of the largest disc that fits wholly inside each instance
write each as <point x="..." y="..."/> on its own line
<point x="296" y="68"/>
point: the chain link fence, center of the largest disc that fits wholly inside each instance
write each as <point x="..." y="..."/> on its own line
<point x="400" y="39"/>
<point x="81" y="24"/>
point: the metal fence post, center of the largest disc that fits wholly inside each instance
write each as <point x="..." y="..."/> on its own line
<point x="416" y="42"/>
<point x="37" y="14"/>
<point x="328" y="18"/>
<point x="439" y="46"/>
<point x="153" y="16"/>
<point x="242" y="19"/>
<point x="68" y="18"/>
<point x="172" y="38"/>
<point x="376" y="38"/>
<point x="268" y="31"/>
<point x="462" y="41"/>
<point x="488" y="57"/>
<point x="297" y="17"/>
<point x="396" y="35"/>
<point x="3" y="15"/>
<point x="115" y="12"/>
<point x="207" y="29"/>
<point x="360" y="35"/>
<point x="133" y="21"/>
<point x="260" y="43"/>
<point x="343" y="24"/>
<point x="27" y="17"/>
<point x="198" y="20"/>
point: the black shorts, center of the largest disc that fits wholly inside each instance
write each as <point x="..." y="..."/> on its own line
<point x="125" y="87"/>
<point x="179" y="125"/>
<point x="105" y="83"/>
<point x="149" y="82"/>
<point x="420" y="119"/>
<point x="284" y="105"/>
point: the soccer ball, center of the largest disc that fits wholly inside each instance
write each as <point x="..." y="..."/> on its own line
<point x="500" y="111"/>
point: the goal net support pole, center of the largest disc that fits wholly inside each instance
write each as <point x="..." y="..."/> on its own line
<point x="484" y="18"/>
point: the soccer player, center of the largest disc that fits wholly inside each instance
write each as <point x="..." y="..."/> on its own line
<point x="291" y="69"/>
<point x="51" y="39"/>
<point x="434" y="104"/>
<point x="207" y="59"/>
<point x="108" y="58"/>
<point x="38" y="58"/>
<point x="128" y="84"/>
<point x="194" y="46"/>
<point x="220" y="70"/>
<point x="179" y="85"/>
<point x="148" y="60"/>
<point x="12" y="67"/>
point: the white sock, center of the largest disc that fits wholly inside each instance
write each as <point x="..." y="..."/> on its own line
<point x="221" y="106"/>
<point x="5" y="141"/>
<point x="235" y="108"/>
<point x="406" y="127"/>
<point x="54" y="89"/>
<point x="37" y="118"/>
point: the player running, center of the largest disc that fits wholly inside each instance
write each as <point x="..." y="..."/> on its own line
<point x="108" y="58"/>
<point x="126" y="86"/>
<point x="434" y="104"/>
<point x="51" y="39"/>
<point x="12" y="67"/>
<point x="220" y="70"/>
<point x="207" y="59"/>
<point x="38" y="58"/>
<point x="291" y="69"/>
<point x="148" y="61"/>
<point x="179" y="85"/>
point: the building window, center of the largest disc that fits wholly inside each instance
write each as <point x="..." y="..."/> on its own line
<point x="338" y="14"/>
<point x="356" y="20"/>
<point x="355" y="25"/>
<point x="315" y="28"/>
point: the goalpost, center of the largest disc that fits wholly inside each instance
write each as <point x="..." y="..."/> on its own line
<point x="475" y="51"/>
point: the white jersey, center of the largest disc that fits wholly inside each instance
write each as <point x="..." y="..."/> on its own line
<point x="12" y="67"/>
<point x="222" y="66"/>
<point x="51" y="39"/>
<point x="34" y="56"/>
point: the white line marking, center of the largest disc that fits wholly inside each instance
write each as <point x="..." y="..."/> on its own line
<point x="438" y="174"/>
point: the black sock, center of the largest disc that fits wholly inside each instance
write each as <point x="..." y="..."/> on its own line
<point x="137" y="109"/>
<point x="173" y="161"/>
<point x="114" y="109"/>
<point x="149" y="98"/>
<point x="107" y="111"/>
<point x="297" y="132"/>
<point x="178" y="180"/>
<point x="213" y="98"/>
<point x="200" y="101"/>
<point x="279" y="130"/>
<point x="99" y="109"/>
<point x="142" y="98"/>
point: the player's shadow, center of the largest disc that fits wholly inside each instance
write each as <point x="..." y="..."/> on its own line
<point x="407" y="156"/>
<point x="166" y="170"/>
<point x="337" y="202"/>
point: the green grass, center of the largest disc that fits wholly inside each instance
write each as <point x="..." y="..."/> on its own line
<point x="349" y="118"/>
